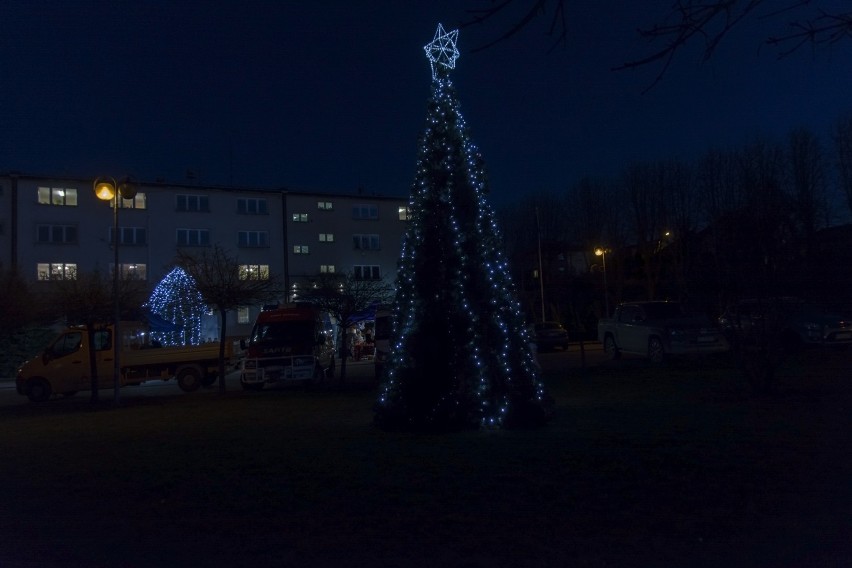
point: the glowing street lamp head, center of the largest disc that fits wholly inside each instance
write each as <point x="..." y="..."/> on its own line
<point x="599" y="251"/>
<point x="108" y="189"/>
<point x="105" y="190"/>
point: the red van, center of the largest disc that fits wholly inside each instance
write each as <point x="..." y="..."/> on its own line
<point x="289" y="343"/>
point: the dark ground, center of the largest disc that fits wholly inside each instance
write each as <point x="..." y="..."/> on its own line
<point x="641" y="466"/>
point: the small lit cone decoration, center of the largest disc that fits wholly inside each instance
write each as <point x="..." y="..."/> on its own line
<point x="177" y="299"/>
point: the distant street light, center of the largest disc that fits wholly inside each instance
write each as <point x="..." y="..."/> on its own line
<point x="107" y="189"/>
<point x="601" y="252"/>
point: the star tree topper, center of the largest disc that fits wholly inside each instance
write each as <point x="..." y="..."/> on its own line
<point x="442" y="50"/>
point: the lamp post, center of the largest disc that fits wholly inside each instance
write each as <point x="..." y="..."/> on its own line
<point x="601" y="252"/>
<point x="106" y="189"/>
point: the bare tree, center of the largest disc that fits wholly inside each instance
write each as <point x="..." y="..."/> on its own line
<point x="225" y="286"/>
<point x="765" y="232"/>
<point x="86" y="298"/>
<point x="18" y="313"/>
<point x="343" y="296"/>
<point x="589" y="212"/>
<point x="691" y="21"/>
<point x="15" y="303"/>
<point x="808" y="22"/>
<point x="677" y="182"/>
<point x="720" y="202"/>
<point x="644" y="196"/>
<point x="519" y="15"/>
<point x="807" y="169"/>
<point x="843" y="154"/>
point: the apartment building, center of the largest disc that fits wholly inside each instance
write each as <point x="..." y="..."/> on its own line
<point x="53" y="227"/>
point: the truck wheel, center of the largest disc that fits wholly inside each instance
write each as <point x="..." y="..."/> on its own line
<point x="610" y="349"/>
<point x="189" y="379"/>
<point x="38" y="390"/>
<point x="655" y="350"/>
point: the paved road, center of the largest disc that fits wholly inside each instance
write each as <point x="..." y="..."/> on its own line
<point x="357" y="372"/>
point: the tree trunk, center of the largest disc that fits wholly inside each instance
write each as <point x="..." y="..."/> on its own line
<point x="222" y="338"/>
<point x="344" y="355"/>
<point x="93" y="366"/>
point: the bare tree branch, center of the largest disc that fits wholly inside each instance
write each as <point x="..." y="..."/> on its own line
<point x="688" y="21"/>
<point x="222" y="284"/>
<point x="343" y="296"/>
<point x="825" y="29"/>
<point x="693" y="18"/>
<point x="536" y="8"/>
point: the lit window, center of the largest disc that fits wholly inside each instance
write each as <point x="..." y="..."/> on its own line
<point x="300" y="249"/>
<point x="326" y="269"/>
<point x="56" y="271"/>
<point x="326" y="237"/>
<point x="254" y="272"/>
<point x="139" y="201"/>
<point x="300" y="217"/>
<point x="243" y="315"/>
<point x="57" y="196"/>
<point x="131" y="271"/>
<point x="325" y="205"/>
<point x="404" y="214"/>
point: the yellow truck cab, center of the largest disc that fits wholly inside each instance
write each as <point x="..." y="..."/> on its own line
<point x="63" y="367"/>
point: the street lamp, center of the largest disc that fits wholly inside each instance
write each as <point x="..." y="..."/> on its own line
<point x="106" y="189"/>
<point x="601" y="252"/>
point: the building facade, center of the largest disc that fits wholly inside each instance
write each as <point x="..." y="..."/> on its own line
<point x="53" y="227"/>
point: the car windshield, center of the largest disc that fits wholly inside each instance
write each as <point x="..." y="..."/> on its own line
<point x="283" y="332"/>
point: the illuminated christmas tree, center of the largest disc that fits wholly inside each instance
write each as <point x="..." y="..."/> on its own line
<point x="460" y="351"/>
<point x="176" y="299"/>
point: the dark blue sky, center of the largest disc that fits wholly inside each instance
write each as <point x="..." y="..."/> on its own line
<point x="331" y="95"/>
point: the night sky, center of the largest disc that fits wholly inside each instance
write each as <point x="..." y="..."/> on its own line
<point x="330" y="95"/>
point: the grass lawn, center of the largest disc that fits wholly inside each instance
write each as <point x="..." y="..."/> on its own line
<point x="641" y="466"/>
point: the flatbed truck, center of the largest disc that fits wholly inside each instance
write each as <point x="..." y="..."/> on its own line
<point x="63" y="368"/>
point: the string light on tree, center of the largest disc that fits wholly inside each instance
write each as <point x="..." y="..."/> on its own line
<point x="461" y="353"/>
<point x="177" y="299"/>
<point x="441" y="51"/>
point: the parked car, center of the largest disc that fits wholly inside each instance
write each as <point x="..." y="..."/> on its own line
<point x="786" y="323"/>
<point x="549" y="335"/>
<point x="659" y="329"/>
